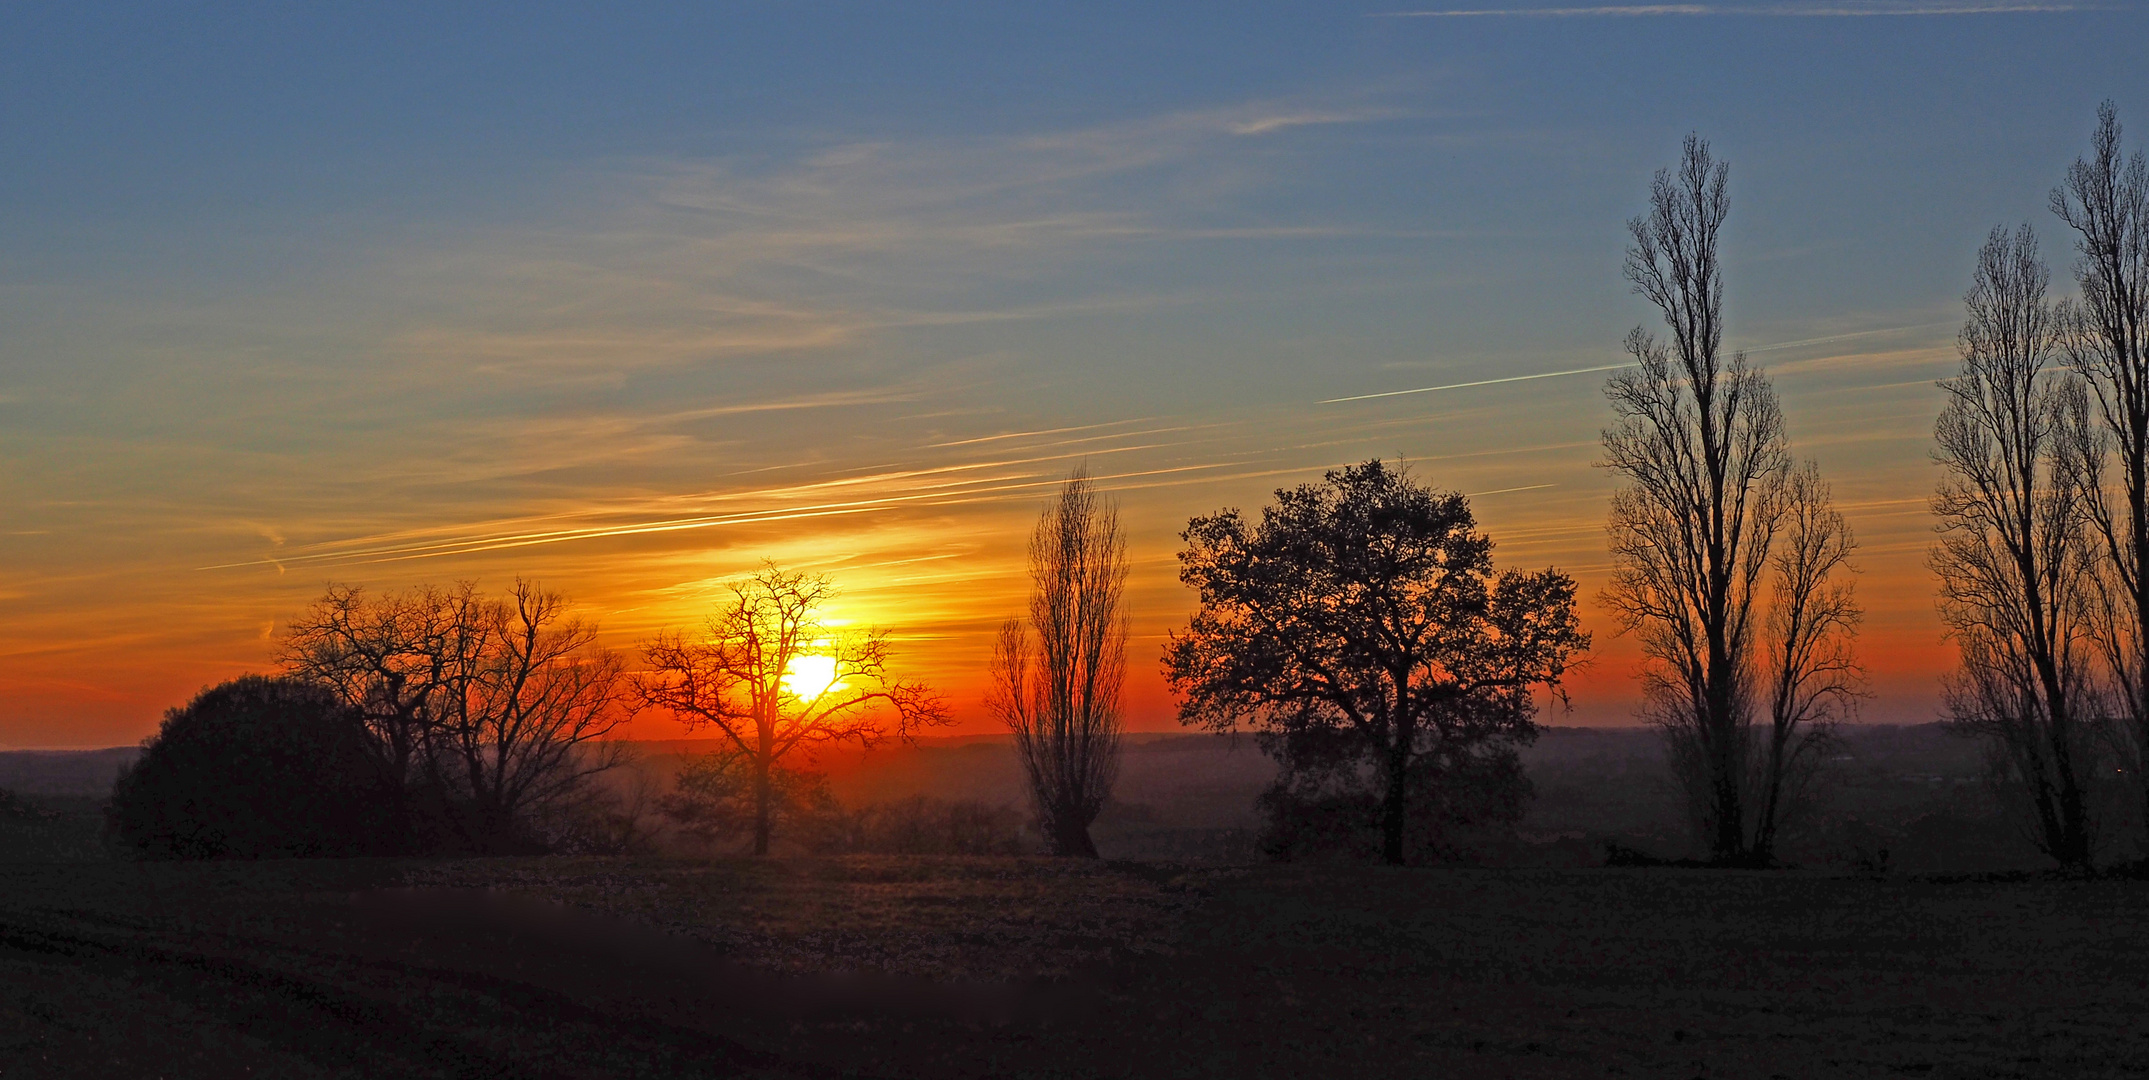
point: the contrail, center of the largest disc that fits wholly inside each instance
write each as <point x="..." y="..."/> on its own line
<point x="1616" y="367"/>
<point x="1480" y="382"/>
<point x="1843" y="337"/>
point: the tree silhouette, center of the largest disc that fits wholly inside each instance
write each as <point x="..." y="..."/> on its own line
<point x="2015" y="564"/>
<point x="525" y="724"/>
<point x="481" y="712"/>
<point x="387" y="659"/>
<point x="772" y="678"/>
<point x="1710" y="484"/>
<point x="1056" y="680"/>
<point x="1367" y="605"/>
<point x="1812" y="677"/>
<point x="2105" y="336"/>
<point x="253" y="768"/>
<point x="716" y="799"/>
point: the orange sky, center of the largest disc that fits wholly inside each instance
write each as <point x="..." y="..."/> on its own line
<point x="918" y="508"/>
<point x="629" y="305"/>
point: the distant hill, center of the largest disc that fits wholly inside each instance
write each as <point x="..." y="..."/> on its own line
<point x="64" y="772"/>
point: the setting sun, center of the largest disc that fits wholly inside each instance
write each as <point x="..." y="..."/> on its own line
<point x="978" y="538"/>
<point x="809" y="677"/>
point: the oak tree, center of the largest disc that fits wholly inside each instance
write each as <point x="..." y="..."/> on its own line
<point x="1366" y="606"/>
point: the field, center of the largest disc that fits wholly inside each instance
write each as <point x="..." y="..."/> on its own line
<point x="974" y="967"/>
<point x="1915" y="791"/>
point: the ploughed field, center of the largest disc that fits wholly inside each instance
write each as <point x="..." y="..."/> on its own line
<point x="952" y="966"/>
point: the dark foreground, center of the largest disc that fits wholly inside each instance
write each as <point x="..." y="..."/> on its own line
<point x="996" y="967"/>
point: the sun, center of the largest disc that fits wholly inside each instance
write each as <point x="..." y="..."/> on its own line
<point x="808" y="677"/>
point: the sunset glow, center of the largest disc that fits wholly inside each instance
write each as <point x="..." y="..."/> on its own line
<point x="851" y="292"/>
<point x="808" y="677"/>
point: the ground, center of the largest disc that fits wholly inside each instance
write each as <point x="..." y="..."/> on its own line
<point x="978" y="967"/>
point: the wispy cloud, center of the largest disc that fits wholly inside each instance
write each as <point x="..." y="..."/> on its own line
<point x="1270" y="122"/>
<point x="1478" y="382"/>
<point x="1833" y="338"/>
<point x="837" y="247"/>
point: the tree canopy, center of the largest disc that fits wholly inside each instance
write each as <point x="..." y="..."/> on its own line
<point x="1368" y="604"/>
<point x="253" y="768"/>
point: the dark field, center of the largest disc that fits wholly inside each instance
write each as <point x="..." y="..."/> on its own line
<point x="924" y="966"/>
<point x="1914" y="791"/>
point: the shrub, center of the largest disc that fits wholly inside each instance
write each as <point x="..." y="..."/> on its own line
<point x="1326" y="800"/>
<point x="617" y="813"/>
<point x="253" y="768"/>
<point x="923" y="825"/>
<point x="14" y="807"/>
<point x="712" y="801"/>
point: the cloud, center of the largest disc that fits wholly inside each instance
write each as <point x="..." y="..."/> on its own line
<point x="689" y="261"/>
<point x="1832" y="338"/>
<point x="1264" y="124"/>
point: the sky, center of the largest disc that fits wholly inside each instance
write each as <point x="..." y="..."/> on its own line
<point x="628" y="302"/>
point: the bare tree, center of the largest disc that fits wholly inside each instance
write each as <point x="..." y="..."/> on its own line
<point x="773" y="678"/>
<point x="2016" y="572"/>
<point x="1701" y="444"/>
<point x="2105" y="334"/>
<point x="388" y="658"/>
<point x="1813" y="678"/>
<point x="1056" y="680"/>
<point x="521" y="721"/>
<point x="495" y="708"/>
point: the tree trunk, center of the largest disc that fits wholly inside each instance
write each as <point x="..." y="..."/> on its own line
<point x="2070" y="843"/>
<point x="2074" y="841"/>
<point x="1394" y="811"/>
<point x="761" y="805"/>
<point x="1726" y="754"/>
<point x="1730" y="841"/>
<point x="1762" y="852"/>
<point x="1070" y="836"/>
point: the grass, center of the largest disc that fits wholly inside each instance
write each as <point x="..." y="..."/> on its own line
<point x="974" y="967"/>
<point x="937" y="917"/>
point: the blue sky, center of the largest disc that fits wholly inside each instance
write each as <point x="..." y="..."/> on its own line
<point x="393" y="295"/>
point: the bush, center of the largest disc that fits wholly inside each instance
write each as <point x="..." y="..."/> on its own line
<point x="616" y="813"/>
<point x="253" y="768"/>
<point x="712" y="801"/>
<point x="1326" y="800"/>
<point x="923" y="825"/>
<point x="14" y="808"/>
